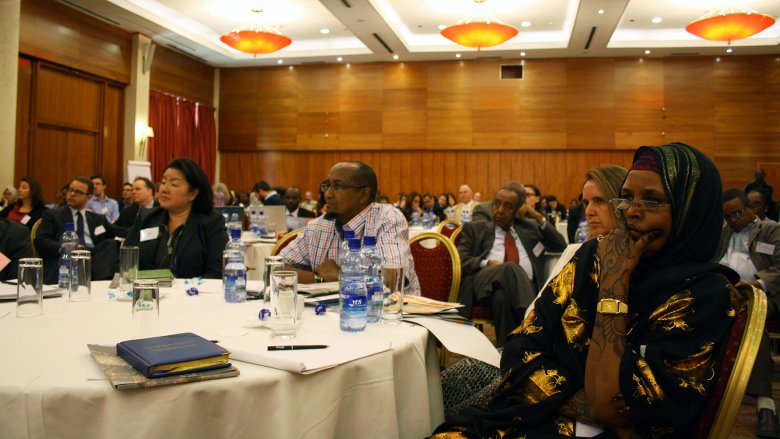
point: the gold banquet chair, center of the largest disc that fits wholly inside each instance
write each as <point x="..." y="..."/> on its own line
<point x="33" y="234"/>
<point x="724" y="403"/>
<point x="285" y="240"/>
<point x="447" y="228"/>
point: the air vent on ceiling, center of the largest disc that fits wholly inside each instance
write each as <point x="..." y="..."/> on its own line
<point x="489" y="57"/>
<point x="312" y="62"/>
<point x="91" y="12"/>
<point x="590" y="37"/>
<point x="346" y="3"/>
<point x="382" y="42"/>
<point x="513" y="71"/>
<point x="685" y="53"/>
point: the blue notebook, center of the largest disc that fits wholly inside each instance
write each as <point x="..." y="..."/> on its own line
<point x="173" y="354"/>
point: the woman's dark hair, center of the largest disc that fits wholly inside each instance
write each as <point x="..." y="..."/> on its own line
<point x="408" y="207"/>
<point x="197" y="179"/>
<point x="36" y="192"/>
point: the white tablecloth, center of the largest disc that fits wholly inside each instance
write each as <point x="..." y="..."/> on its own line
<point x="44" y="391"/>
<point x="255" y="259"/>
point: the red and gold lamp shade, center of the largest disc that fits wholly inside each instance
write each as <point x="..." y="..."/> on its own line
<point x="256" y="39"/>
<point x="479" y="33"/>
<point x="730" y="24"/>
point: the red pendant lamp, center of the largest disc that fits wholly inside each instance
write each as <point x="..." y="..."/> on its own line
<point x="256" y="38"/>
<point x="479" y="32"/>
<point x="730" y="24"/>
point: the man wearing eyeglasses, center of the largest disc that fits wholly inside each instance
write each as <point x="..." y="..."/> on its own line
<point x="94" y="231"/>
<point x="751" y="247"/>
<point x="350" y="190"/>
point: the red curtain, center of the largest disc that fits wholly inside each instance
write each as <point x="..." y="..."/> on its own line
<point x="182" y="128"/>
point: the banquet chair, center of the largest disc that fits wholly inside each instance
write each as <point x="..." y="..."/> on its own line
<point x="438" y="270"/>
<point x="447" y="228"/>
<point x="285" y="240"/>
<point x="455" y="237"/>
<point x="33" y="234"/>
<point x="724" y="402"/>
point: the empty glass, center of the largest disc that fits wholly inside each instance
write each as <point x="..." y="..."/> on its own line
<point x="80" y="276"/>
<point x="284" y="291"/>
<point x="29" y="290"/>
<point x="146" y="308"/>
<point x="128" y="269"/>
<point x="393" y="289"/>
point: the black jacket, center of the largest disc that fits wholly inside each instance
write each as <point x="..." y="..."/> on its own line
<point x="196" y="250"/>
<point x="34" y="214"/>
<point x="14" y="244"/>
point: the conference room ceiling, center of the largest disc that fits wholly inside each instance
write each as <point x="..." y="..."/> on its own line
<point x="376" y="30"/>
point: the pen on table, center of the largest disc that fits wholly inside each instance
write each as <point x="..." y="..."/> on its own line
<point x="297" y="347"/>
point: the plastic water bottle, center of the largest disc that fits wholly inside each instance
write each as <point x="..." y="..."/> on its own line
<point x="582" y="230"/>
<point x="428" y="220"/>
<point x="416" y="219"/>
<point x="235" y="222"/>
<point x="234" y="277"/>
<point x="352" y="292"/>
<point x="371" y="264"/>
<point x="260" y="227"/>
<point x="348" y="234"/>
<point x="253" y="222"/>
<point x="68" y="242"/>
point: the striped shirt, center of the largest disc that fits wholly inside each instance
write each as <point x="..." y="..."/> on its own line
<point x="320" y="240"/>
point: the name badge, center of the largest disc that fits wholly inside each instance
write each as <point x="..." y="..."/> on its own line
<point x="538" y="249"/>
<point x="25" y="219"/>
<point x="105" y="210"/>
<point x="99" y="230"/>
<point x="149" y="234"/>
<point x="767" y="249"/>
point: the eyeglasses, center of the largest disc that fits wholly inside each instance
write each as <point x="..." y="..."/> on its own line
<point x="338" y="186"/>
<point x="735" y="215"/>
<point x="645" y="205"/>
<point x="77" y="192"/>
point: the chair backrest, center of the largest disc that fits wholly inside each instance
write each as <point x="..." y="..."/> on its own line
<point x="455" y="237"/>
<point x="437" y="268"/>
<point x="33" y="234"/>
<point x="447" y="228"/>
<point x="285" y="240"/>
<point x="724" y="402"/>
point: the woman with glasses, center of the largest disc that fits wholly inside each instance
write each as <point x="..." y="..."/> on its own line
<point x="184" y="234"/>
<point x="628" y="338"/>
<point x="29" y="206"/>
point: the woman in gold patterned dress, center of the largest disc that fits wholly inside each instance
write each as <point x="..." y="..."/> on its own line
<point x="629" y="337"/>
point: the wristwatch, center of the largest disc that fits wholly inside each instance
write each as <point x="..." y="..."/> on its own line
<point x="611" y="307"/>
<point x="318" y="279"/>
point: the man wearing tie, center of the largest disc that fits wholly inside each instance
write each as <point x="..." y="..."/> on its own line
<point x="501" y="261"/>
<point x="143" y="201"/>
<point x="93" y="230"/>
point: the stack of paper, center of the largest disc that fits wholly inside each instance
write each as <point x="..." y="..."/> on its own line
<point x="425" y="306"/>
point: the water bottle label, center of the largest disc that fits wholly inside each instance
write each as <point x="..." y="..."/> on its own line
<point x="354" y="303"/>
<point x="230" y="283"/>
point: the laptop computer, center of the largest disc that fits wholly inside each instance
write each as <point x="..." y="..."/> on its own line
<point x="274" y="217"/>
<point x="230" y="210"/>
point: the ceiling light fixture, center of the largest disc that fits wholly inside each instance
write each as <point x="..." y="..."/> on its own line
<point x="479" y="32"/>
<point x="339" y="59"/>
<point x="647" y="51"/>
<point x="256" y="38"/>
<point x="522" y="53"/>
<point x="601" y="12"/>
<point x="657" y="20"/>
<point x="525" y="24"/>
<point x="324" y="31"/>
<point x="730" y="24"/>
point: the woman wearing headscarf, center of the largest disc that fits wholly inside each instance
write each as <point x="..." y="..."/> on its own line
<point x="630" y="335"/>
<point x="184" y="234"/>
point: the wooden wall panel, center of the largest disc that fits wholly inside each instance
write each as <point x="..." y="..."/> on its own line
<point x="23" y="109"/>
<point x="54" y="32"/>
<point x="56" y="105"/>
<point x="111" y="153"/>
<point x="180" y="75"/>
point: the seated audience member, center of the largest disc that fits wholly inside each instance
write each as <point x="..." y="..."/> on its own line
<point x="484" y="211"/>
<point x="430" y="205"/>
<point x="59" y="197"/>
<point x="760" y="183"/>
<point x="501" y="262"/>
<point x="9" y="196"/>
<point x="477" y="197"/>
<point x="576" y="213"/>
<point x="266" y="195"/>
<point x="555" y="209"/>
<point x="752" y="248"/>
<point x="350" y="190"/>
<point x="383" y="199"/>
<point x="29" y="207"/>
<point x="400" y="202"/>
<point x="292" y="198"/>
<point x="14" y="245"/>
<point x="94" y="231"/>
<point x="100" y="203"/>
<point x="222" y="196"/>
<point x="761" y="204"/>
<point x="413" y="204"/>
<point x="308" y="202"/>
<point x="574" y="357"/>
<point x="184" y="234"/>
<point x="127" y="197"/>
<point x="143" y="202"/>
<point x="533" y="196"/>
<point x="464" y="210"/>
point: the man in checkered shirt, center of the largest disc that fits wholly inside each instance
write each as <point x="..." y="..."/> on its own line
<point x="350" y="190"/>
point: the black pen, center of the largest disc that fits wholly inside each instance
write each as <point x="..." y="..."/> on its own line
<point x="297" y="347"/>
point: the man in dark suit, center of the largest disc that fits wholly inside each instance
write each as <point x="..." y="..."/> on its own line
<point x="143" y="201"/>
<point x="292" y="199"/>
<point x="94" y="231"/>
<point x="267" y="195"/>
<point x="14" y="245"/>
<point x="501" y="261"/>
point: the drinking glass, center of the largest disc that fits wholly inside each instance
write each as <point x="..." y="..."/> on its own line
<point x="146" y="308"/>
<point x="393" y="290"/>
<point x="29" y="290"/>
<point x="80" y="276"/>
<point x="128" y="268"/>
<point x="284" y="291"/>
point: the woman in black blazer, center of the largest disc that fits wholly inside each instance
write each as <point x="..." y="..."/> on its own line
<point x="184" y="234"/>
<point x="29" y="206"/>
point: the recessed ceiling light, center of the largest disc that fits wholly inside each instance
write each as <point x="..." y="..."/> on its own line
<point x="441" y="27"/>
<point x="729" y="50"/>
<point x="339" y="59"/>
<point x="324" y="31"/>
<point x="525" y="24"/>
<point x="522" y="53"/>
<point x="395" y="56"/>
<point x="457" y="55"/>
<point x="280" y="61"/>
<point x="657" y="20"/>
<point x="717" y="59"/>
<point x="601" y="12"/>
<point x="647" y="51"/>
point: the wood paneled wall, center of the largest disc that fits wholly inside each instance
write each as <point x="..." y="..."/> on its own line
<point x="436" y="125"/>
<point x="52" y="31"/>
<point x="180" y="75"/>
